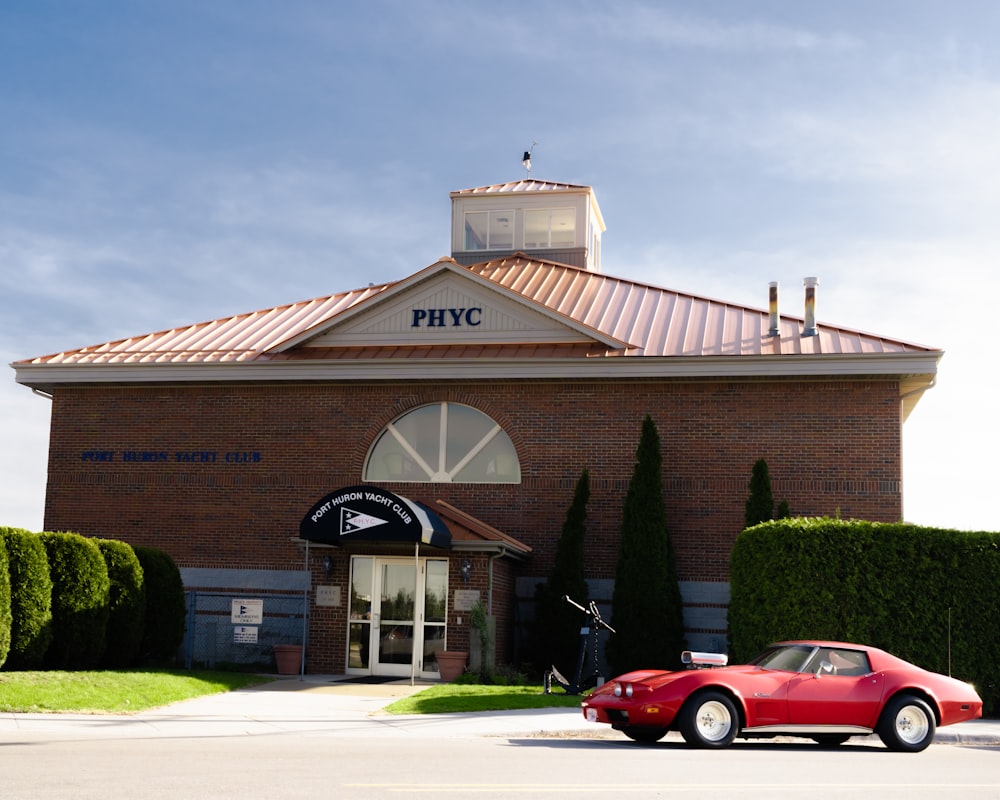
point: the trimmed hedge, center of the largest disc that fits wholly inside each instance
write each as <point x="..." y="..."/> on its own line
<point x="165" y="609"/>
<point x="30" y="599"/>
<point x="127" y="606"/>
<point x="926" y="595"/>
<point x="80" y="597"/>
<point x="5" y="615"/>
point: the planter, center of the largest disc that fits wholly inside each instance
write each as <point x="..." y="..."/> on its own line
<point x="288" y="658"/>
<point x="451" y="663"/>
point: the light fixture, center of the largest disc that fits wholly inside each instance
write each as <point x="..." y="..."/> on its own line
<point x="466" y="570"/>
<point x="327" y="565"/>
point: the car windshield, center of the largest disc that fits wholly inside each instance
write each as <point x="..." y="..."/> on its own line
<point x="788" y="657"/>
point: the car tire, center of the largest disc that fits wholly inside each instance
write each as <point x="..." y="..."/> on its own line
<point x="907" y="724"/>
<point x="709" y="720"/>
<point x="643" y="734"/>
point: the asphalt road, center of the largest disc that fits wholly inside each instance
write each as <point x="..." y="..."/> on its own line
<point x="313" y="765"/>
<point x="296" y="740"/>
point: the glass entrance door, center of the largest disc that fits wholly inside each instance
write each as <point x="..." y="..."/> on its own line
<point x="396" y="588"/>
<point x="398" y="615"/>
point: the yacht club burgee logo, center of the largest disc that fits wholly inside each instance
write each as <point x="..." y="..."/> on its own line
<point x="353" y="521"/>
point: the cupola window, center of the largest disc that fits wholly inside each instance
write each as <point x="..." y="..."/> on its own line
<point x="489" y="230"/>
<point x="549" y="227"/>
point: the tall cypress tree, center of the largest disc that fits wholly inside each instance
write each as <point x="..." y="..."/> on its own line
<point x="760" y="503"/>
<point x="648" y="613"/>
<point x="557" y="628"/>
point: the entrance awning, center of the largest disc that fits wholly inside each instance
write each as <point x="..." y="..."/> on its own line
<point x="371" y="514"/>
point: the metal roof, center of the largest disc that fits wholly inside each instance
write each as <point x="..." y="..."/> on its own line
<point x="527" y="185"/>
<point x="666" y="323"/>
<point x="654" y="322"/>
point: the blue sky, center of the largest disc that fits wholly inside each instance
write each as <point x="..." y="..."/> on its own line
<point x="165" y="162"/>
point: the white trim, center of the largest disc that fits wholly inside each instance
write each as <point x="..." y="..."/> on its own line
<point x="908" y="366"/>
<point x="807" y="730"/>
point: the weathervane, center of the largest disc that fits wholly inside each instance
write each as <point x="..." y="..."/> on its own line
<point x="526" y="161"/>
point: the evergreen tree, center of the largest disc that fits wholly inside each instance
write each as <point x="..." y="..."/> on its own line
<point x="557" y="626"/>
<point x="647" y="615"/>
<point x="760" y="503"/>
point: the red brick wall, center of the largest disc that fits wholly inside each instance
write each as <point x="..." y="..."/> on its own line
<point x="832" y="447"/>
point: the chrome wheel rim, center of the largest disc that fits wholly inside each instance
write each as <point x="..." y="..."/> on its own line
<point x="714" y="721"/>
<point x="912" y="725"/>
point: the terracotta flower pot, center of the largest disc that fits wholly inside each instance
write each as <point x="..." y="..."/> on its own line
<point x="451" y="663"/>
<point x="288" y="658"/>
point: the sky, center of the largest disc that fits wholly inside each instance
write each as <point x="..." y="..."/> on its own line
<point x="164" y="162"/>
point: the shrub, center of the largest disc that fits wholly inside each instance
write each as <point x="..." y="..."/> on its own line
<point x="30" y="599"/>
<point x="80" y="594"/>
<point x="760" y="503"/>
<point x="127" y="603"/>
<point x="927" y="595"/>
<point x="165" y="609"/>
<point x="5" y="616"/>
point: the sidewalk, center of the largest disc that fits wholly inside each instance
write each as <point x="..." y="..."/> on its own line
<point x="325" y="705"/>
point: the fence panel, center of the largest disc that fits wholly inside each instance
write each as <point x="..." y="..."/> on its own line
<point x="212" y="639"/>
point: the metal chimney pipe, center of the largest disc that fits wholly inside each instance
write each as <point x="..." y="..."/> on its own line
<point x="810" y="323"/>
<point x="772" y="304"/>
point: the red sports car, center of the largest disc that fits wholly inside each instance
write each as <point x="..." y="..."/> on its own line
<point x="825" y="691"/>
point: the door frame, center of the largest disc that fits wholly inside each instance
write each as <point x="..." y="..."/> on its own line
<point x="419" y="665"/>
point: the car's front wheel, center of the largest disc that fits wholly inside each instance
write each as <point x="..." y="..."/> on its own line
<point x="907" y="724"/>
<point x="709" y="720"/>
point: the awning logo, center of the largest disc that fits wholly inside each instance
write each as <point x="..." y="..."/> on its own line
<point x="354" y="521"/>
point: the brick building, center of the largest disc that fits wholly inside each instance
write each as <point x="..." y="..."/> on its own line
<point x="394" y="453"/>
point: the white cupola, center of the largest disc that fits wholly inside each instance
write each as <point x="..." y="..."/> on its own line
<point x="555" y="221"/>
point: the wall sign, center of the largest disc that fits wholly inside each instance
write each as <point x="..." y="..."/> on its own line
<point x="140" y="457"/>
<point x="328" y="595"/>
<point x="446" y="317"/>
<point x="247" y="612"/>
<point x="245" y="634"/>
<point x="465" y="599"/>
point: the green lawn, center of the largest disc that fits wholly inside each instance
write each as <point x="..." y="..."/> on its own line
<point x="445" y="698"/>
<point x="111" y="692"/>
<point x="107" y="692"/>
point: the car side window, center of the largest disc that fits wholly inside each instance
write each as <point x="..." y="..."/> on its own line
<point x="837" y="661"/>
<point x="787" y="658"/>
<point x="849" y="662"/>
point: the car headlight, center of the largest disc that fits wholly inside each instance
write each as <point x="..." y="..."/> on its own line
<point x="623" y="690"/>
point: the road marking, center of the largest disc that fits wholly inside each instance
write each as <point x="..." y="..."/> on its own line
<point x="483" y="788"/>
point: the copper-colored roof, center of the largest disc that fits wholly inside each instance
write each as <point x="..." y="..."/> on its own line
<point x="469" y="533"/>
<point x="648" y="321"/>
<point x="527" y="185"/>
<point x="662" y="322"/>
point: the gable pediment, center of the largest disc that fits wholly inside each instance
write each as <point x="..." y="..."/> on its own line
<point x="447" y="305"/>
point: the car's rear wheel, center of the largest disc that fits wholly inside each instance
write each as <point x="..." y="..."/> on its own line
<point x="643" y="734"/>
<point x="907" y="724"/>
<point x="709" y="720"/>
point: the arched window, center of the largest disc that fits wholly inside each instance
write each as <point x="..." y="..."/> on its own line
<point x="443" y="443"/>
